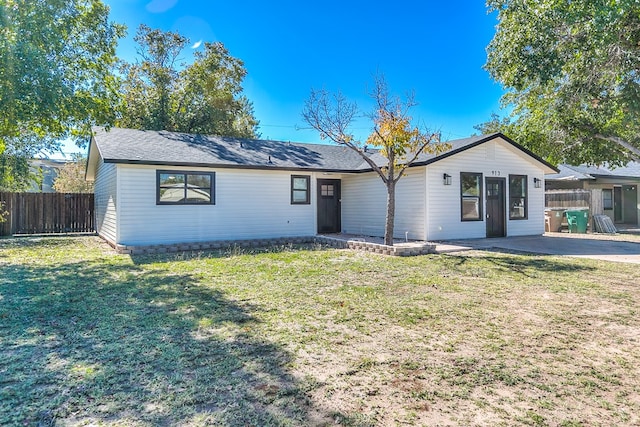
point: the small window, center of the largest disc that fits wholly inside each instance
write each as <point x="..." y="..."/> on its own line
<point x="518" y="197"/>
<point x="326" y="190"/>
<point x="470" y="196"/>
<point x="607" y="199"/>
<point x="185" y="188"/>
<point x="300" y="190"/>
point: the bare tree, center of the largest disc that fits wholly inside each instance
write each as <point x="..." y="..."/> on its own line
<point x="399" y="143"/>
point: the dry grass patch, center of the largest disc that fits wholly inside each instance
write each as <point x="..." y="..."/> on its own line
<point x="314" y="337"/>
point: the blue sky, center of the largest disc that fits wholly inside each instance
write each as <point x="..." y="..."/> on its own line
<point x="434" y="48"/>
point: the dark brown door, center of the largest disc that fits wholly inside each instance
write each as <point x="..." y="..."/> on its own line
<point x="495" y="216"/>
<point x="329" y="206"/>
<point x="617" y="204"/>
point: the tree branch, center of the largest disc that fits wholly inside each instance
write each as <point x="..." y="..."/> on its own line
<point x="433" y="138"/>
<point x="635" y="151"/>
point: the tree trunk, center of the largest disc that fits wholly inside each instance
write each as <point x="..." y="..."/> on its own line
<point x="391" y="213"/>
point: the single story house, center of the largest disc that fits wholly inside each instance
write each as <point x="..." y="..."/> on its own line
<point x="157" y="187"/>
<point x="614" y="190"/>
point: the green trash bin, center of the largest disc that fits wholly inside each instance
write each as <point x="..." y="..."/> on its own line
<point x="577" y="221"/>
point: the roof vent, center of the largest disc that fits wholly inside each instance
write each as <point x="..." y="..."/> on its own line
<point x="270" y="162"/>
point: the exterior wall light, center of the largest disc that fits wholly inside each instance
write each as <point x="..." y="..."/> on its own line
<point x="537" y="182"/>
<point x="446" y="179"/>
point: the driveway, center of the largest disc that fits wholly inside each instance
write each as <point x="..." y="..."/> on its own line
<point x="618" y="248"/>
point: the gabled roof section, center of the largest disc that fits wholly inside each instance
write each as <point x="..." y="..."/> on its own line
<point x="93" y="156"/>
<point x="180" y="149"/>
<point x="426" y="158"/>
<point x="460" y="145"/>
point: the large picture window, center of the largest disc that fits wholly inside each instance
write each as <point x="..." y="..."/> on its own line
<point x="300" y="193"/>
<point x="471" y="196"/>
<point x="607" y="199"/>
<point x="186" y="188"/>
<point x="518" y="197"/>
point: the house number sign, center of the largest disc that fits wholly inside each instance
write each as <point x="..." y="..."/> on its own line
<point x="495" y="173"/>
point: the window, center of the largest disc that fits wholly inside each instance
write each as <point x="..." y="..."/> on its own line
<point x="300" y="194"/>
<point x="517" y="197"/>
<point x="186" y="188"/>
<point x="326" y="190"/>
<point x="470" y="196"/>
<point x="607" y="199"/>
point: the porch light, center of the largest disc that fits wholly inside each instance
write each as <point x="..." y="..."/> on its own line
<point x="446" y="179"/>
<point x="537" y="182"/>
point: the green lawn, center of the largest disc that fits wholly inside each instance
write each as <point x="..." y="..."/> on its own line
<point x="314" y="337"/>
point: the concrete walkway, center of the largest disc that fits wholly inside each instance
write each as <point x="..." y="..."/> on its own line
<point x="618" y="247"/>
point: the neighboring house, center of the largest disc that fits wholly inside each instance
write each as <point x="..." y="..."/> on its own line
<point x="614" y="190"/>
<point x="156" y="187"/>
<point x="47" y="172"/>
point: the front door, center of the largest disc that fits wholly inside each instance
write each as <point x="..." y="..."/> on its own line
<point x="329" y="206"/>
<point x="617" y="204"/>
<point x="630" y="204"/>
<point x="495" y="215"/>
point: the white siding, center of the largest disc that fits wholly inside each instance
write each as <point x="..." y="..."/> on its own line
<point x="494" y="158"/>
<point x="106" y="201"/>
<point x="249" y="204"/>
<point x="364" y="205"/>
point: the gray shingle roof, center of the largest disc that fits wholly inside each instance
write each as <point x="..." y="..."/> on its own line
<point x="567" y="173"/>
<point x="584" y="172"/>
<point x="180" y="149"/>
<point x="174" y="148"/>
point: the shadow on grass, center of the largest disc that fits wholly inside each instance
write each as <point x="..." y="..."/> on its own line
<point x="524" y="264"/>
<point x="109" y="342"/>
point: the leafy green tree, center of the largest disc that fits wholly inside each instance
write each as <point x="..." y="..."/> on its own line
<point x="203" y="97"/>
<point x="393" y="135"/>
<point x="4" y="215"/>
<point x="15" y="174"/>
<point x="56" y="76"/>
<point x="571" y="69"/>
<point x="70" y="177"/>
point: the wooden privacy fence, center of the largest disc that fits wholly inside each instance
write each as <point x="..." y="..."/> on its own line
<point x="575" y="199"/>
<point x="567" y="199"/>
<point x="38" y="213"/>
